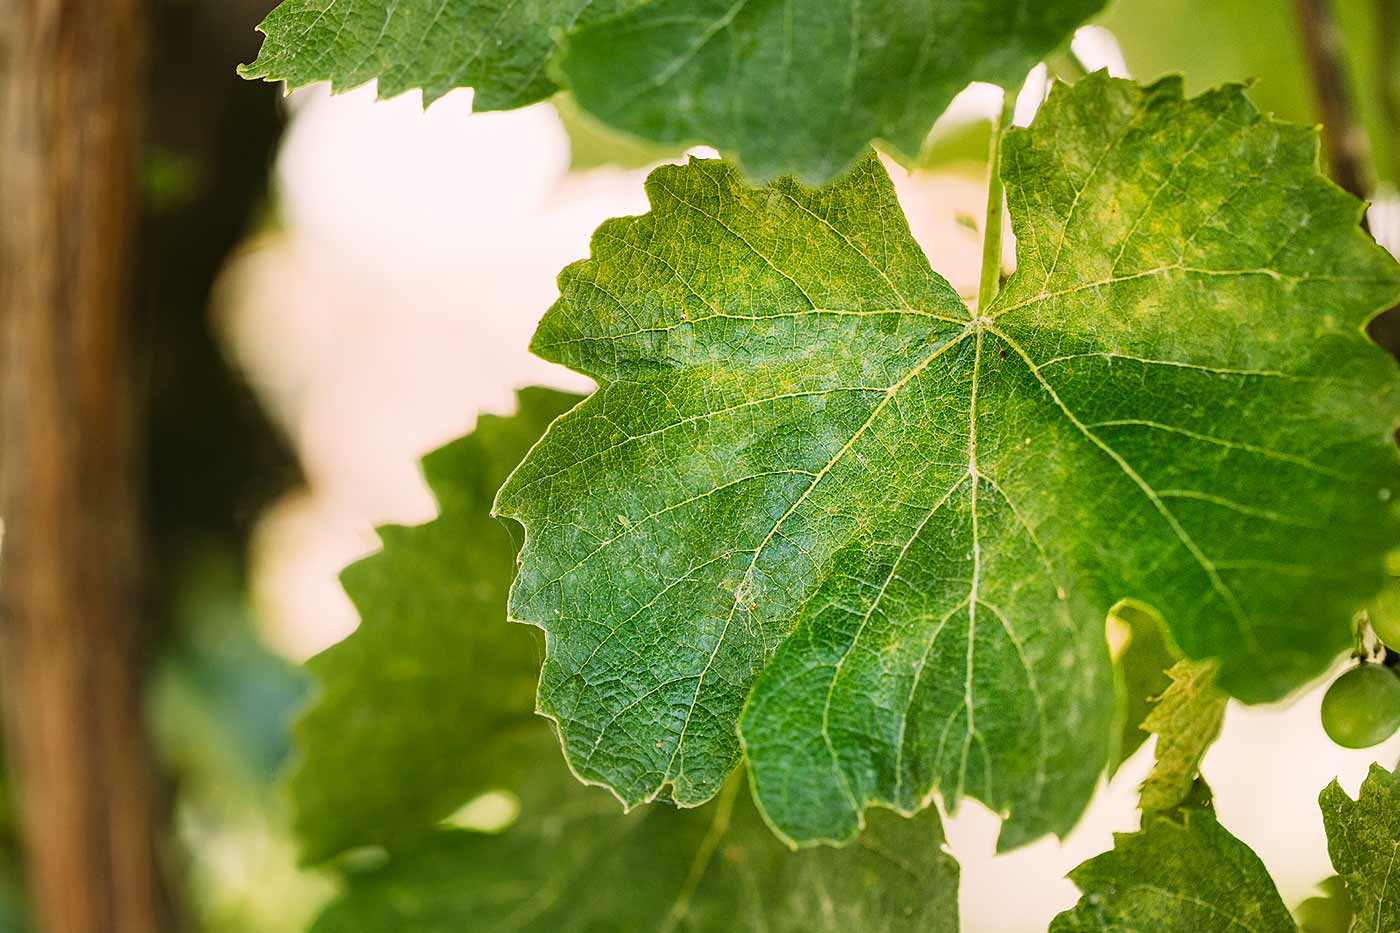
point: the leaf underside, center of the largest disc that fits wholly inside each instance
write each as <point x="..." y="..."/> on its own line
<point x="802" y="87"/>
<point x="1182" y="873"/>
<point x="817" y="498"/>
<point x="786" y="87"/>
<point x="1363" y="838"/>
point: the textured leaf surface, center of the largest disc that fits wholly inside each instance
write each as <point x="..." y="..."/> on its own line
<point x="1186" y="719"/>
<point x="789" y="86"/>
<point x="430" y="703"/>
<point x="1363" y="838"/>
<point x="803" y="87"/>
<point x="422" y="706"/>
<point x="1182" y="873"/>
<point x="574" y="864"/>
<point x="498" y="47"/>
<point x="813" y="487"/>
<point x="1193" y="296"/>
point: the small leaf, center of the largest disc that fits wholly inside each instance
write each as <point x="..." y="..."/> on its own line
<point x="422" y="706"/>
<point x="1181" y="873"/>
<point x="1363" y="838"/>
<point x="1186" y="719"/>
<point x="1142" y="654"/>
<point x="880" y="532"/>
<point x="573" y="864"/>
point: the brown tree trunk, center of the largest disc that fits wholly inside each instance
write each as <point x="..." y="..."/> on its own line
<point x="70" y="635"/>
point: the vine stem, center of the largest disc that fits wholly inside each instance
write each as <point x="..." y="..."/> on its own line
<point x="990" y="281"/>
<point x="1388" y="75"/>
<point x="1348" y="149"/>
<point x="1342" y="132"/>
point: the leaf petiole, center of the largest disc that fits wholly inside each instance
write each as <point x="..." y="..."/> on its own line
<point x="990" y="280"/>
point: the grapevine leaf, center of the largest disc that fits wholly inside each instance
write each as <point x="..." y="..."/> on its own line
<point x="499" y="49"/>
<point x="1142" y="665"/>
<point x="685" y="71"/>
<point x="803" y="87"/>
<point x="1363" y="838"/>
<point x="576" y="864"/>
<point x="813" y="489"/>
<point x="1186" y="719"/>
<point x="1182" y="872"/>
<point x="429" y="704"/>
<point x="403" y="694"/>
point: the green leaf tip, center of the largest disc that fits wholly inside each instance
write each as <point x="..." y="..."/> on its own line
<point x="1363" y="836"/>
<point x="1181" y="873"/>
<point x="431" y="45"/>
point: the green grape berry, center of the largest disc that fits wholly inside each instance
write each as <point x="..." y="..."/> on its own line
<point x="1384" y="613"/>
<point x="1362" y="707"/>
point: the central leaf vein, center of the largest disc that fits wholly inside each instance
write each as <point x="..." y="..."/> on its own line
<point x="1205" y="563"/>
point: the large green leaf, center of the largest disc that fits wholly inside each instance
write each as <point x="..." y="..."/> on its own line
<point x="1363" y="838"/>
<point x="1182" y="873"/>
<point x="499" y="48"/>
<point x="802" y="87"/>
<point x="574" y="864"/>
<point x="424" y="705"/>
<point x="815" y="488"/>
<point x="429" y="704"/>
<point x="787" y="86"/>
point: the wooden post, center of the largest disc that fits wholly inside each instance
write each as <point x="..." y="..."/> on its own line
<point x="70" y="582"/>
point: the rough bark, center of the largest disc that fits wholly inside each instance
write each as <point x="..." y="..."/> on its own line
<point x="70" y="630"/>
